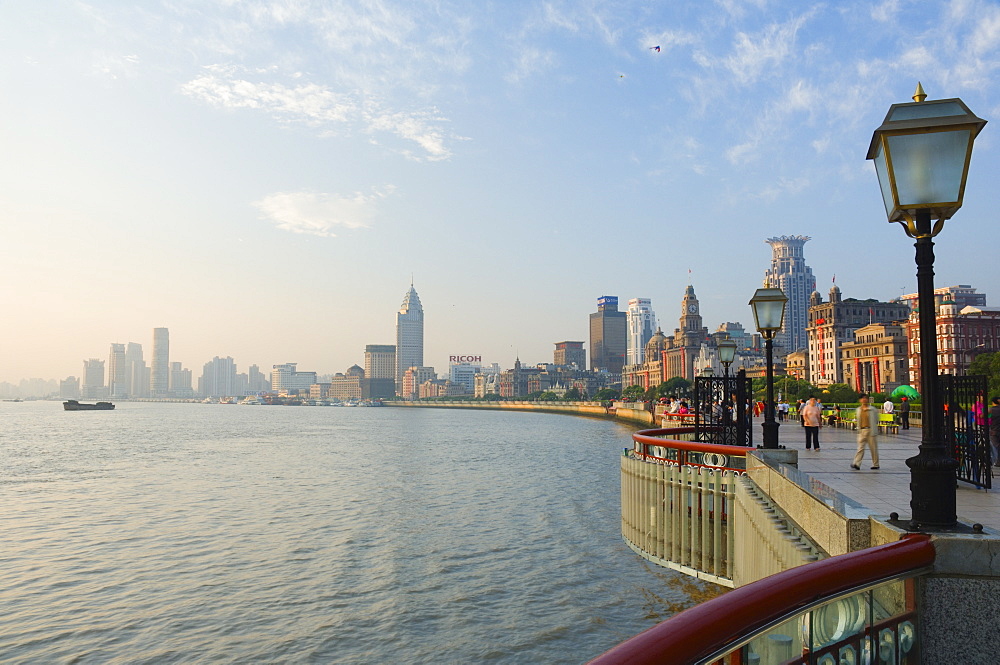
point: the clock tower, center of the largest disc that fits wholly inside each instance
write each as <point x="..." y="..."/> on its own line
<point x="690" y="311"/>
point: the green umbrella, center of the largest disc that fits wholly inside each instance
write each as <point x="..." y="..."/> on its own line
<point x="906" y="391"/>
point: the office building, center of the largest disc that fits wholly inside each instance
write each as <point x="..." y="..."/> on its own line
<point x="641" y="326"/>
<point x="138" y="372"/>
<point x="608" y="336"/>
<point x="960" y="295"/>
<point x="286" y="378"/>
<point x="790" y="273"/>
<point x="118" y="372"/>
<point x="159" y="375"/>
<point x="380" y="370"/>
<point x="409" y="335"/>
<point x="569" y="354"/>
<point x="93" y="380"/>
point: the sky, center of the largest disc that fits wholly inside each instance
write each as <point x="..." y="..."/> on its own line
<point x="265" y="178"/>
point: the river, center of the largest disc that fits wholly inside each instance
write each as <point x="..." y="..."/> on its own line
<point x="191" y="533"/>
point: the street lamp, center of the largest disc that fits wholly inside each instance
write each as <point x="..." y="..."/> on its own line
<point x="922" y="153"/>
<point x="727" y="353"/>
<point x="769" y="314"/>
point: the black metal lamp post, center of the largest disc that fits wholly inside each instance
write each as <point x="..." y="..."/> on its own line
<point x="727" y="354"/>
<point x="922" y="153"/>
<point x="769" y="313"/>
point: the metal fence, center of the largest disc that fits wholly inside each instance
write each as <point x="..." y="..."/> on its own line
<point x="965" y="426"/>
<point x="722" y="406"/>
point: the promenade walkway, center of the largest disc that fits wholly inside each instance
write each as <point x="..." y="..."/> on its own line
<point x="888" y="489"/>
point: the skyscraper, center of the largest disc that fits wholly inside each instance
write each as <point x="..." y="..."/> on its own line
<point x="790" y="273"/>
<point x="409" y="335"/>
<point x="118" y="371"/>
<point x="138" y="372"/>
<point x="380" y="370"/>
<point x="641" y="326"/>
<point x="608" y="336"/>
<point x="159" y="376"/>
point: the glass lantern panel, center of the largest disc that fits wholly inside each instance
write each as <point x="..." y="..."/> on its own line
<point x="768" y="314"/>
<point x="928" y="166"/>
<point x="918" y="111"/>
<point x="883" y="180"/>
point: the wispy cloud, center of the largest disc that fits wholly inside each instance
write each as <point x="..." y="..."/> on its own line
<point x="320" y="214"/>
<point x="753" y="54"/>
<point x="318" y="105"/>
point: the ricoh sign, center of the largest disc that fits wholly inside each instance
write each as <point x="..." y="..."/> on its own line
<point x="465" y="359"/>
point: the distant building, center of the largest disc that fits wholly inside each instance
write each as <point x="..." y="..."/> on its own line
<point x="962" y="334"/>
<point x="608" y="336"/>
<point x="118" y="372"/>
<point x="570" y="353"/>
<point x="797" y="364"/>
<point x="349" y="385"/>
<point x="159" y="376"/>
<point x="683" y="347"/>
<point x="287" y="378"/>
<point x="641" y="322"/>
<point x="832" y="324"/>
<point x="181" y="381"/>
<point x="464" y="374"/>
<point x="380" y="369"/>
<point x="257" y="381"/>
<point x="790" y="273"/>
<point x="409" y="334"/>
<point x="412" y="378"/>
<point x="138" y="381"/>
<point x="93" y="380"/>
<point x="876" y="361"/>
<point x="960" y="295"/>
<point x="69" y="388"/>
<point x="218" y="378"/>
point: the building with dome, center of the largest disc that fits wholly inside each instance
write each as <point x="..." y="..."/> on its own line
<point x="832" y="324"/>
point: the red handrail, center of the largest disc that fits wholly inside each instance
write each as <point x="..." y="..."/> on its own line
<point x="649" y="437"/>
<point x="704" y="629"/>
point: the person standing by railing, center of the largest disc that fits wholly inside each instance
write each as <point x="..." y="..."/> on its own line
<point x="812" y="420"/>
<point x="904" y="412"/>
<point x="867" y="419"/>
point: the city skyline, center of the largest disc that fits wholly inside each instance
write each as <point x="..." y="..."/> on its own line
<point x="265" y="179"/>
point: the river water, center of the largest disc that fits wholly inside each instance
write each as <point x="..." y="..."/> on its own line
<point x="190" y="533"/>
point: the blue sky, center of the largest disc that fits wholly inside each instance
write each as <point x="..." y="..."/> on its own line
<point x="263" y="178"/>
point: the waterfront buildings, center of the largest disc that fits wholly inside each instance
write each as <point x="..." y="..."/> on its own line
<point x="962" y="295"/>
<point x="876" y="361"/>
<point x="69" y="388"/>
<point x="181" y="381"/>
<point x="570" y="354"/>
<point x="412" y="378"/>
<point x="118" y="375"/>
<point x="608" y="336"/>
<point x="349" y="385"/>
<point x="789" y="272"/>
<point x="380" y="369"/>
<point x="832" y="324"/>
<point x="962" y="334"/>
<point x="138" y="381"/>
<point x="218" y="378"/>
<point x="286" y="378"/>
<point x="159" y="376"/>
<point x="93" y="380"/>
<point x="641" y="321"/>
<point x="464" y="374"/>
<point x="409" y="334"/>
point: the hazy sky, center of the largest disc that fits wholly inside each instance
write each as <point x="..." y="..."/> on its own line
<point x="263" y="178"/>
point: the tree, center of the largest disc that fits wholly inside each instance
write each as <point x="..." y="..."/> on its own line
<point x="633" y="393"/>
<point x="988" y="365"/>
<point x="573" y="394"/>
<point x="548" y="396"/>
<point x="678" y="386"/>
<point x="840" y="393"/>
<point x="605" y="394"/>
<point x="650" y="394"/>
<point x="663" y="390"/>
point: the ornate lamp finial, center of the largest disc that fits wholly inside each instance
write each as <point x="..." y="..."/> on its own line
<point x="919" y="95"/>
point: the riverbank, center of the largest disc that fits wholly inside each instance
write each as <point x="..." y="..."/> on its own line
<point x="619" y="411"/>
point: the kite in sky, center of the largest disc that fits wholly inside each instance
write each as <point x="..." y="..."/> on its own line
<point x="654" y="48"/>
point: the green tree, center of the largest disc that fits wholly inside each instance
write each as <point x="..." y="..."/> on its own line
<point x="678" y="386"/>
<point x="548" y="396"/>
<point x="633" y="393"/>
<point x="605" y="394"/>
<point x="573" y="394"/>
<point x="650" y="394"/>
<point x="988" y="365"/>
<point x="839" y="393"/>
<point x="663" y="390"/>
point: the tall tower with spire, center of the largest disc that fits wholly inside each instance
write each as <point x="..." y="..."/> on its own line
<point x="409" y="335"/>
<point x="790" y="273"/>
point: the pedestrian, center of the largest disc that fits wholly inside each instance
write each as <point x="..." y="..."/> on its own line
<point x="812" y="420"/>
<point x="904" y="412"/>
<point x="867" y="419"/>
<point x="995" y="430"/>
<point x="888" y="406"/>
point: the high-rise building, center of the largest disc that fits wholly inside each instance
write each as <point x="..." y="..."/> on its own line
<point x="608" y="336"/>
<point x="93" y="380"/>
<point x="380" y="370"/>
<point x="218" y="378"/>
<point x="287" y="377"/>
<point x="257" y="381"/>
<point x="790" y="273"/>
<point x="138" y="379"/>
<point x="159" y="376"/>
<point x="409" y="335"/>
<point x="570" y="353"/>
<point x="69" y="388"/>
<point x="118" y="372"/>
<point x="641" y="326"/>
<point x="180" y="381"/>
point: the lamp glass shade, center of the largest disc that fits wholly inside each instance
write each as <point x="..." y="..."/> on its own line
<point x="922" y="153"/>
<point x="727" y="351"/>
<point x="768" y="309"/>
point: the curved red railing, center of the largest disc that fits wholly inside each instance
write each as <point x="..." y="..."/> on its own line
<point x="650" y="437"/>
<point x="705" y="629"/>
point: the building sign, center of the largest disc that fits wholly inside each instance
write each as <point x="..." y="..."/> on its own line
<point x="465" y="359"/>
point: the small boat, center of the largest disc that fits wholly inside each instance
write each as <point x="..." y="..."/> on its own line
<point x="73" y="405"/>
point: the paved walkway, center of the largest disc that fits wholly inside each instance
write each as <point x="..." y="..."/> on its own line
<point x="888" y="489"/>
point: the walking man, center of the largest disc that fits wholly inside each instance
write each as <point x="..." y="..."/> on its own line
<point x="867" y="419"/>
<point x="812" y="420"/>
<point x="904" y="413"/>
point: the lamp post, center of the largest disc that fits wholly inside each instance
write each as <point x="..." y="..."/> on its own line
<point x="727" y="354"/>
<point x="922" y="152"/>
<point x="769" y="313"/>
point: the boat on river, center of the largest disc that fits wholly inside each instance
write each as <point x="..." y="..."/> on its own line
<point x="73" y="405"/>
